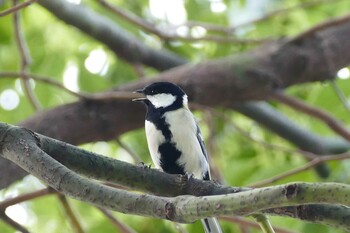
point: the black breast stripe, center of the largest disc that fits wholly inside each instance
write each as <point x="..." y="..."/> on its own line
<point x="158" y="120"/>
<point x="169" y="156"/>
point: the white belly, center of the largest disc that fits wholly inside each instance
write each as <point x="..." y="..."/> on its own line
<point x="154" y="139"/>
<point x="184" y="128"/>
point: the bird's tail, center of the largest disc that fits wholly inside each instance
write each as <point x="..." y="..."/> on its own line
<point x="211" y="225"/>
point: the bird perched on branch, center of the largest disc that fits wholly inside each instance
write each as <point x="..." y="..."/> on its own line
<point x="173" y="136"/>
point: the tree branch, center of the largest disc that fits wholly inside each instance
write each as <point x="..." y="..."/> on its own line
<point x="17" y="8"/>
<point x="232" y="29"/>
<point x="82" y="95"/>
<point x="109" y="33"/>
<point x="25" y="197"/>
<point x="13" y="223"/>
<point x="250" y="75"/>
<point x="244" y="222"/>
<point x="25" y="60"/>
<point x="324" y="116"/>
<point x="69" y="213"/>
<point x="314" y="162"/>
<point x="170" y="33"/>
<point x="282" y="126"/>
<point x="123" y="228"/>
<point x="31" y="151"/>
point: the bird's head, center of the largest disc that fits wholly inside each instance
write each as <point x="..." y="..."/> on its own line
<point x="163" y="95"/>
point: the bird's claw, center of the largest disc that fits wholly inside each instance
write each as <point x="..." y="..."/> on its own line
<point x="189" y="175"/>
<point x="143" y="165"/>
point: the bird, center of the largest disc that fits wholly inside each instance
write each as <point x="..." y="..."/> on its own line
<point x="174" y="139"/>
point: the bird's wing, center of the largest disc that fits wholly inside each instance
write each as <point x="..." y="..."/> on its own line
<point x="201" y="143"/>
<point x="207" y="176"/>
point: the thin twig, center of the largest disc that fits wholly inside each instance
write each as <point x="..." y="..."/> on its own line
<point x="76" y="226"/>
<point x="17" y="8"/>
<point x="340" y="95"/>
<point x="42" y="79"/>
<point x="121" y="226"/>
<point x="296" y="104"/>
<point x="96" y="96"/>
<point x="134" y="156"/>
<point x="21" y="198"/>
<point x="245" y="222"/>
<point x="113" y="95"/>
<point x="264" y="223"/>
<point x="230" y="30"/>
<point x="244" y="229"/>
<point x="25" y="59"/>
<point x="311" y="164"/>
<point x="13" y="223"/>
<point x="172" y="34"/>
<point x="283" y="11"/>
<point x="25" y="197"/>
<point x="131" y="18"/>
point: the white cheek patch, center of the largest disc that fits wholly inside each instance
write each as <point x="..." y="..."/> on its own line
<point x="161" y="100"/>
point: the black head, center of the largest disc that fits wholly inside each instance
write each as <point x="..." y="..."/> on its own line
<point x="162" y="88"/>
<point x="164" y="95"/>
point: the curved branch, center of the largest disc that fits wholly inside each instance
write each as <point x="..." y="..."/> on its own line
<point x="25" y="149"/>
<point x="246" y="76"/>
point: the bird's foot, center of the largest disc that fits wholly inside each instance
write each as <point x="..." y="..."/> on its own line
<point x="143" y="165"/>
<point x="189" y="175"/>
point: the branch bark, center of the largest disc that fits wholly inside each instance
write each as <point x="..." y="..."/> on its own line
<point x="247" y="76"/>
<point x="31" y="152"/>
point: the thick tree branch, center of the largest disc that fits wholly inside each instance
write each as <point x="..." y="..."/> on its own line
<point x="107" y="169"/>
<point x="245" y="76"/>
<point x="25" y="148"/>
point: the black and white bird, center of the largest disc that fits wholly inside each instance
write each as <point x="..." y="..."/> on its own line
<point x="173" y="136"/>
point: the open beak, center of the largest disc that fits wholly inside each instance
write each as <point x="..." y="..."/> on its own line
<point x="140" y="99"/>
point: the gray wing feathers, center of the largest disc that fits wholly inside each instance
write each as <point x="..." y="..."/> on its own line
<point x="201" y="143"/>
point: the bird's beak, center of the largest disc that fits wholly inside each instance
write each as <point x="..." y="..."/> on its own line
<point x="140" y="99"/>
<point x="139" y="91"/>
